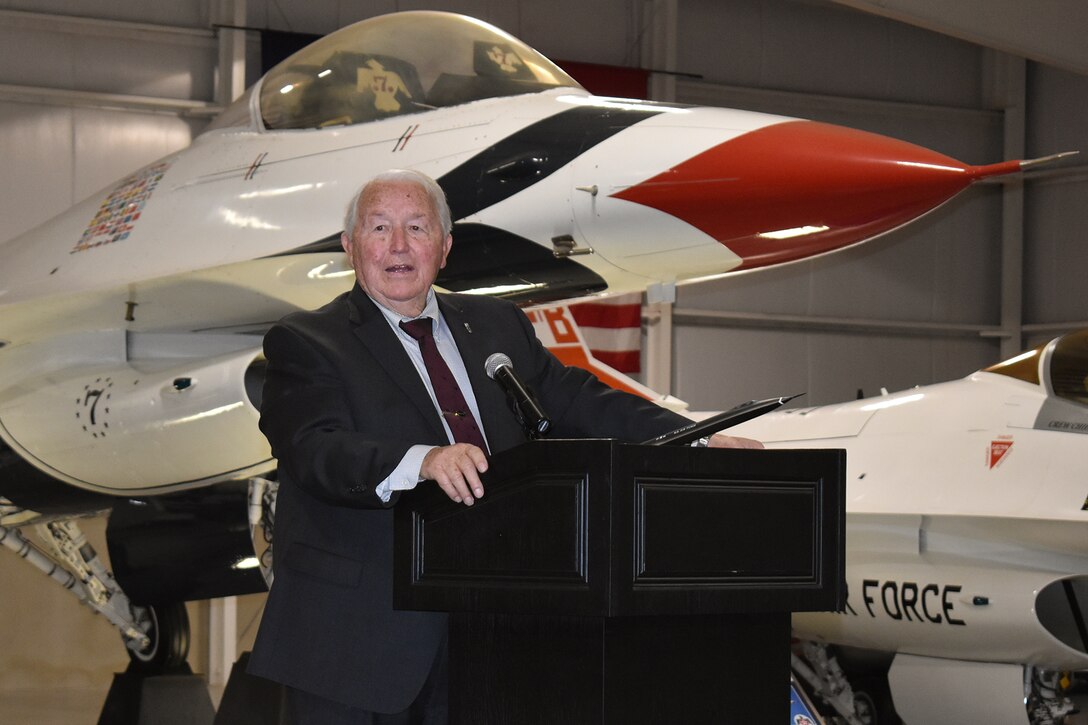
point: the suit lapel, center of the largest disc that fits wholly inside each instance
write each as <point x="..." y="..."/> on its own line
<point x="372" y="330"/>
<point x="472" y="346"/>
<point x="475" y="345"/>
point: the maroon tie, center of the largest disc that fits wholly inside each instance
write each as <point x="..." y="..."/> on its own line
<point x="450" y="399"/>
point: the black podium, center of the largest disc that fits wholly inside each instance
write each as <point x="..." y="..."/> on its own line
<point x="600" y="582"/>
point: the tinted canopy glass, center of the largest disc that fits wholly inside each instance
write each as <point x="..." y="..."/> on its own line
<point x="1067" y="366"/>
<point x="399" y="64"/>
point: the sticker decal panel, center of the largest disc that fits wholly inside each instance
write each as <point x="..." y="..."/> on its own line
<point x="117" y="215"/>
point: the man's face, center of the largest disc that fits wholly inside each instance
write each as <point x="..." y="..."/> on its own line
<point x="397" y="247"/>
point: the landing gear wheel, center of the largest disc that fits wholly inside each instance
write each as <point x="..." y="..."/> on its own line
<point x="169" y="646"/>
<point x="865" y="709"/>
<point x="873" y="700"/>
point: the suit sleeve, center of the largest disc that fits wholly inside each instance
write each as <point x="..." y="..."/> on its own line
<point x="308" y="421"/>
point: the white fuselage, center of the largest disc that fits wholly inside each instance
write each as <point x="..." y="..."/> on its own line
<point x="963" y="505"/>
<point x="203" y="269"/>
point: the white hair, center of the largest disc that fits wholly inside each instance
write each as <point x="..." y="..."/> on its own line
<point x="402" y="176"/>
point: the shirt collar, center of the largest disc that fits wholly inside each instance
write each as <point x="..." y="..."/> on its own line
<point x="394" y="318"/>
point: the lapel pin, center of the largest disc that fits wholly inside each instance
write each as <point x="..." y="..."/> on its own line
<point x="468" y="328"/>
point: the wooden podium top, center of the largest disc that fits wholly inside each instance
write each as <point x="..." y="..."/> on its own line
<point x="602" y="528"/>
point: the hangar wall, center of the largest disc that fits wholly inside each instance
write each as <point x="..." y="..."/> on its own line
<point x="931" y="292"/>
<point x="843" y="67"/>
<point x="924" y="303"/>
<point x="1056" y="216"/>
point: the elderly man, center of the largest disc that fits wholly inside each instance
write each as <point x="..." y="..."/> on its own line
<point x="377" y="392"/>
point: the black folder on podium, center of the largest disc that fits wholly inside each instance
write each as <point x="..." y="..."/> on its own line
<point x="603" y="582"/>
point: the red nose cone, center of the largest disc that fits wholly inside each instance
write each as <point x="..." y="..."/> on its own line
<point x="800" y="188"/>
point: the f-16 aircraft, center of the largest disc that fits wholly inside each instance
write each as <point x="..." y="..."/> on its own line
<point x="967" y="540"/>
<point x="130" y="331"/>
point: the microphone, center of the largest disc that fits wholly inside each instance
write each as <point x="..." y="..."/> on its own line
<point x="501" y="370"/>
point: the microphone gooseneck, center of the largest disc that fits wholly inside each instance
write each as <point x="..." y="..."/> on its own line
<point x="501" y="370"/>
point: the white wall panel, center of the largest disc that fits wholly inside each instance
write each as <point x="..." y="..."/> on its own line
<point x="820" y="49"/>
<point x="966" y="257"/>
<point x="945" y="268"/>
<point x="35" y="58"/>
<point x="192" y="13"/>
<point x="54" y="156"/>
<point x="719" y="368"/>
<point x="145" y="68"/>
<point x="781" y="290"/>
<point x="942" y="268"/>
<point x="350" y="11"/>
<point x="32" y="57"/>
<point x="1056" y="255"/>
<point x="604" y="30"/>
<point x="814" y="48"/>
<point x="503" y="13"/>
<point x="36" y="156"/>
<point x="970" y="135"/>
<point x="899" y="277"/>
<point x="840" y="364"/>
<point x="314" y="16"/>
<point x="1057" y="107"/>
<point x="112" y="144"/>
<point x="722" y="367"/>
<point x="1049" y="32"/>
<point x="1056" y="215"/>
<point x="591" y="32"/>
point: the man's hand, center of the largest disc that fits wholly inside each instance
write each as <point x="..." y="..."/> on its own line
<point x="720" y="440"/>
<point x="456" y="469"/>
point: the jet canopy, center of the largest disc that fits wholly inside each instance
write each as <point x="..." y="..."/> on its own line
<point x="398" y="64"/>
<point x="1061" y="364"/>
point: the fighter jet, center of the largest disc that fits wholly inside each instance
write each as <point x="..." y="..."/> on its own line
<point x="131" y="324"/>
<point x="967" y="540"/>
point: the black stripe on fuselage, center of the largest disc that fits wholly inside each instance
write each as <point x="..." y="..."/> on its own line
<point x="487" y="257"/>
<point x="495" y="262"/>
<point x="535" y="152"/>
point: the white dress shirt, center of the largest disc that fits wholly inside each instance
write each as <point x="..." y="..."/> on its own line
<point x="406" y="475"/>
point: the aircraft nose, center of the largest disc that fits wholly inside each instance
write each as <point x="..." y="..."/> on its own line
<point x="798" y="188"/>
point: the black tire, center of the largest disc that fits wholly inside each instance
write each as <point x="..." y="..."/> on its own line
<point x="169" y="647"/>
<point x="871" y="693"/>
<point x="865" y="709"/>
<point x="867" y="672"/>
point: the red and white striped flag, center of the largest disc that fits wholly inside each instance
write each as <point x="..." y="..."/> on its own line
<point x="612" y="329"/>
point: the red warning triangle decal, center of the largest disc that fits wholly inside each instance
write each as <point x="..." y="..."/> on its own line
<point x="998" y="450"/>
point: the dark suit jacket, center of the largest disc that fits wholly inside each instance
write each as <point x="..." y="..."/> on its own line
<point x="342" y="404"/>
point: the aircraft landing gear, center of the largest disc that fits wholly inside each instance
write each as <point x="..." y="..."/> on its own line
<point x="167" y="648"/>
<point x="154" y="637"/>
<point x="1046" y="701"/>
<point x="858" y="699"/>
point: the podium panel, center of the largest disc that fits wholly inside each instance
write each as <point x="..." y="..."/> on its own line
<point x="619" y="670"/>
<point x="606" y="528"/>
<point x="602" y="582"/>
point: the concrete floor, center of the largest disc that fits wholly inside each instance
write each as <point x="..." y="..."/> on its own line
<point x="44" y="706"/>
<point x="67" y="706"/>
